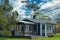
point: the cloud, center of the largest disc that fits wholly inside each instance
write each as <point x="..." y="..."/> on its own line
<point x="17" y="5"/>
<point x="51" y="8"/>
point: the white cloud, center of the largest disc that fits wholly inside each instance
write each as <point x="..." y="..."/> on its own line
<point x="51" y="4"/>
<point x="56" y="1"/>
<point x="17" y="5"/>
<point x="46" y="5"/>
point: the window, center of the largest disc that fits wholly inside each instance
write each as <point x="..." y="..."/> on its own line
<point x="49" y="27"/>
<point x="30" y="27"/>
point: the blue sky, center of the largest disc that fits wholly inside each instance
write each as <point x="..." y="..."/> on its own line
<point x="37" y="2"/>
<point x="48" y="7"/>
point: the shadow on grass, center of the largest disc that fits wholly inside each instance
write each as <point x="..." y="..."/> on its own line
<point x="22" y="37"/>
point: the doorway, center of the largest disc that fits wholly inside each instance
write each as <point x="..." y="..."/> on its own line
<point x="38" y="28"/>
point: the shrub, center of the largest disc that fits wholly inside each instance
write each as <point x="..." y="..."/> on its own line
<point x="5" y="33"/>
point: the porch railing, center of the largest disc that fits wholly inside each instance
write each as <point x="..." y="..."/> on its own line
<point x="26" y="33"/>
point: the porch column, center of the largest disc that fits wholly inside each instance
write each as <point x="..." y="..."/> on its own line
<point x="45" y="30"/>
<point x="41" y="29"/>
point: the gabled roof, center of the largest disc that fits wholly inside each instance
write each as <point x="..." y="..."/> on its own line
<point x="25" y="22"/>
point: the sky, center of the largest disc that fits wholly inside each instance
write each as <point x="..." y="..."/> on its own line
<point x="48" y="7"/>
<point x="51" y="8"/>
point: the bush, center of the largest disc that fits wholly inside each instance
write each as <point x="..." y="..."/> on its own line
<point x="5" y="33"/>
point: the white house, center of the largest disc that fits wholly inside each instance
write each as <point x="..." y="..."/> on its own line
<point x="34" y="27"/>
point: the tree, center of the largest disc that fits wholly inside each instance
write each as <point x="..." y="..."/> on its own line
<point x="3" y="21"/>
<point x="58" y="20"/>
<point x="42" y="16"/>
<point x="8" y="11"/>
<point x="7" y="21"/>
<point x="13" y="17"/>
<point x="36" y="12"/>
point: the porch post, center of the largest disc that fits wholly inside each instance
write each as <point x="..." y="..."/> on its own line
<point x="41" y="29"/>
<point x="45" y="30"/>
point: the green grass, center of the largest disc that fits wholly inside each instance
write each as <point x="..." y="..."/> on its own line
<point x="56" y="37"/>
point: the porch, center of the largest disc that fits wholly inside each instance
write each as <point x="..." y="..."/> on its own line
<point x="24" y="29"/>
<point x="30" y="29"/>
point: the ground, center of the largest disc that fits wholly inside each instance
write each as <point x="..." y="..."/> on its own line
<point x="56" y="37"/>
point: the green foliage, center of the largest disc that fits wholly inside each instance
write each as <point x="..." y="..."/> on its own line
<point x="3" y="21"/>
<point x="5" y="33"/>
<point x="7" y="22"/>
<point x="7" y="7"/>
<point x="13" y="17"/>
<point x="6" y="2"/>
<point x="58" y="22"/>
<point x="42" y="16"/>
<point x="1" y="9"/>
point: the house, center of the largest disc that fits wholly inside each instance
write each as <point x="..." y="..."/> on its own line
<point x="34" y="27"/>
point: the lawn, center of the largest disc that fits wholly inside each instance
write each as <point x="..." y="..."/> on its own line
<point x="56" y="37"/>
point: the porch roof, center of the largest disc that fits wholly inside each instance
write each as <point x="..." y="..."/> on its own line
<point x="39" y="21"/>
<point x="25" y="22"/>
